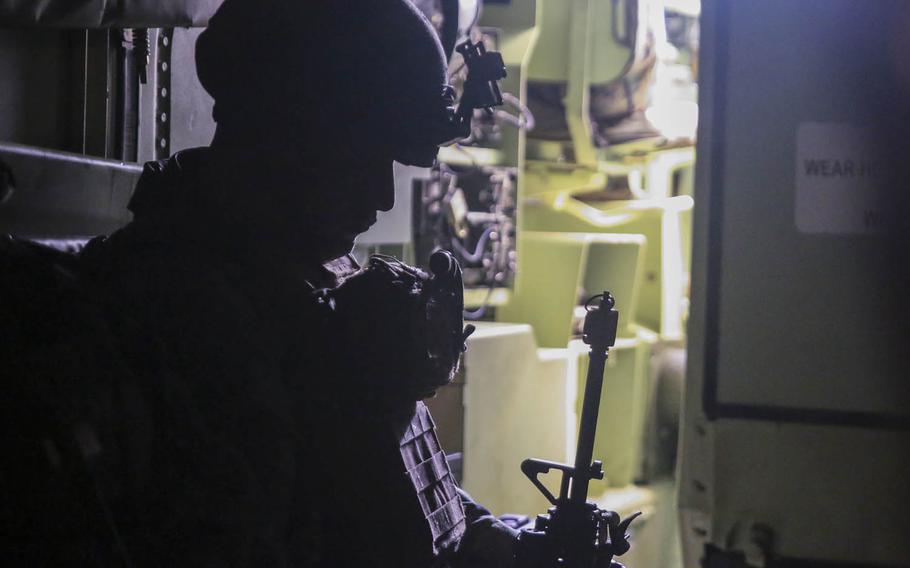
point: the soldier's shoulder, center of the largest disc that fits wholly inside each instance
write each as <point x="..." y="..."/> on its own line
<point x="136" y="258"/>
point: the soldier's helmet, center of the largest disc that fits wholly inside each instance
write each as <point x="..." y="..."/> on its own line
<point x="359" y="73"/>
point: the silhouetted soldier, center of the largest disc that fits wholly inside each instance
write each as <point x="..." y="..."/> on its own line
<point x="258" y="427"/>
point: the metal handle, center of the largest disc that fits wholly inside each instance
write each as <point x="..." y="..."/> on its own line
<point x="532" y="468"/>
<point x="630" y="11"/>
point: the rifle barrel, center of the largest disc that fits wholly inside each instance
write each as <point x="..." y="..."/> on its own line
<point x="588" y="424"/>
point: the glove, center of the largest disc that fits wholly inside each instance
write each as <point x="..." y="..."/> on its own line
<point x="400" y="328"/>
<point x="488" y="542"/>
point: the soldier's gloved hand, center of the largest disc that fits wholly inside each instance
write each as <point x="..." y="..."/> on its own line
<point x="488" y="542"/>
<point x="400" y="327"/>
<point x="490" y="545"/>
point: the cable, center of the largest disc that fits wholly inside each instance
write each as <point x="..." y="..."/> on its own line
<point x="525" y="118"/>
<point x="477" y="255"/>
<point x="456" y="71"/>
<point x="474" y="315"/>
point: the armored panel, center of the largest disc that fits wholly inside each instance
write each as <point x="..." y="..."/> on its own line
<point x="800" y="183"/>
<point x="794" y="431"/>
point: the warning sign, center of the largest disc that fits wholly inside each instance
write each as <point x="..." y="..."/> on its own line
<point x="842" y="179"/>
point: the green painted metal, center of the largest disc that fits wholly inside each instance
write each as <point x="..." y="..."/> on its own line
<point x="517" y="27"/>
<point x="560" y="22"/>
<point x="559" y="267"/>
<point x="546" y="286"/>
<point x="570" y="248"/>
<point x="520" y="400"/>
<point x="582" y="43"/>
<point x="612" y="53"/>
<point x="578" y="116"/>
<point x="550" y="60"/>
<point x="657" y="221"/>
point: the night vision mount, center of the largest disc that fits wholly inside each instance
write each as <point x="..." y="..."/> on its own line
<point x="481" y="87"/>
<point x="480" y="91"/>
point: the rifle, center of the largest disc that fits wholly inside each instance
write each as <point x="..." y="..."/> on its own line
<point x="575" y="533"/>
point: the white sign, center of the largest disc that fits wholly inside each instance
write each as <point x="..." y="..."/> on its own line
<point x="841" y="179"/>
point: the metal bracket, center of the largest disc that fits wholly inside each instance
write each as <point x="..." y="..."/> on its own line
<point x="163" y="94"/>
